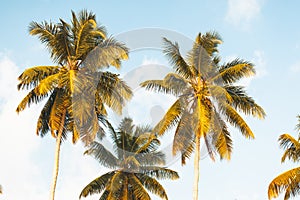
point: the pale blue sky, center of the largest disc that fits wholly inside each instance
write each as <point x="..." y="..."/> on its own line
<point x="263" y="31"/>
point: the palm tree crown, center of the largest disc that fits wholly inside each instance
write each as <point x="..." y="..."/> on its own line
<point x="135" y="162"/>
<point x="289" y="181"/>
<point x="77" y="88"/>
<point x="207" y="98"/>
<point x="81" y="51"/>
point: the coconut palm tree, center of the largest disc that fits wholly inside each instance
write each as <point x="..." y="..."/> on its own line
<point x="207" y="98"/>
<point x="77" y="87"/>
<point x="289" y="181"/>
<point x="135" y="162"/>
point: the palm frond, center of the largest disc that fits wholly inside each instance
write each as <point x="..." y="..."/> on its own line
<point x="235" y="70"/>
<point x="209" y="41"/>
<point x="171" y="84"/>
<point x="221" y="137"/>
<point x="117" y="186"/>
<point x="152" y="185"/>
<point x="298" y="125"/>
<point x="292" y="190"/>
<point x="46" y="32"/>
<point x="187" y="153"/>
<point x="107" y="53"/>
<point x="113" y="91"/>
<point x="31" y="98"/>
<point x="31" y="77"/>
<point x="85" y="33"/>
<point x="171" y="50"/>
<point x="291" y="147"/>
<point x="104" y="195"/>
<point x="202" y="116"/>
<point x="219" y="93"/>
<point x="48" y="84"/>
<point x="201" y="61"/>
<point x="288" y="180"/>
<point x="234" y="118"/>
<point x="159" y="172"/>
<point x="137" y="188"/>
<point x="170" y="119"/>
<point x="58" y="112"/>
<point x="64" y="48"/>
<point x="102" y="155"/>
<point x="242" y="102"/>
<point x="43" y="120"/>
<point x="97" y="185"/>
<point x="184" y="134"/>
<point x="151" y="159"/>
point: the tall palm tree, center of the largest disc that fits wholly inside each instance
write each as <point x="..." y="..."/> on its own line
<point x="207" y="98"/>
<point x="289" y="181"/>
<point x="76" y="88"/>
<point x="135" y="162"/>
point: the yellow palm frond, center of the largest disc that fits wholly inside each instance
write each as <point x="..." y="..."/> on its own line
<point x="288" y="181"/>
<point x="32" y="76"/>
<point x="137" y="187"/>
<point x="234" y="118"/>
<point x="171" y="50"/>
<point x="170" y="119"/>
<point x="107" y="53"/>
<point x="291" y="147"/>
<point x="221" y="137"/>
<point x="235" y="70"/>
<point x="29" y="99"/>
<point x="97" y="185"/>
<point x="242" y="102"/>
<point x="48" y="84"/>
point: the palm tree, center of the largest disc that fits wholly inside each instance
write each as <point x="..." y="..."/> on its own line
<point x="76" y="88"/>
<point x="207" y="98"/>
<point x="135" y="162"/>
<point x="289" y="181"/>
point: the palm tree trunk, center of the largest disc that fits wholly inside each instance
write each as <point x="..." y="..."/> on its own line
<point x="56" y="157"/>
<point x="196" y="169"/>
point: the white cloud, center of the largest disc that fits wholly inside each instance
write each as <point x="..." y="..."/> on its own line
<point x="295" y="67"/>
<point x="16" y="144"/>
<point x="241" y="12"/>
<point x="259" y="60"/>
<point x="150" y="61"/>
<point x="27" y="160"/>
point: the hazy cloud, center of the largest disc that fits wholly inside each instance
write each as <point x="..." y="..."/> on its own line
<point x="27" y="160"/>
<point x="295" y="67"/>
<point x="242" y="12"/>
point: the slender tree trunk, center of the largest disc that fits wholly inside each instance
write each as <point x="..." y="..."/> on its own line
<point x="196" y="169"/>
<point x="56" y="157"/>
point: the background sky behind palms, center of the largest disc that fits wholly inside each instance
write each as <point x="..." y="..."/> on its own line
<point x="263" y="31"/>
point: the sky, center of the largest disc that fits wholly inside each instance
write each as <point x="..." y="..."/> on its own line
<point x="264" y="32"/>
